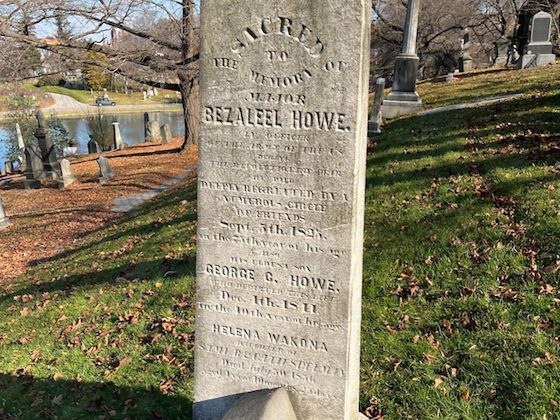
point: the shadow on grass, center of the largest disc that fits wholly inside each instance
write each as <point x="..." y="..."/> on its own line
<point x="27" y="397"/>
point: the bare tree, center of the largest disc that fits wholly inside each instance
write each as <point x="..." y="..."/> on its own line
<point x="441" y="29"/>
<point x="161" y="50"/>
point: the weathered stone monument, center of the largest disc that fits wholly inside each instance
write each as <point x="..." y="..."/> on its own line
<point x="465" y="61"/>
<point x="502" y="50"/>
<point x="21" y="147"/>
<point x="48" y="153"/>
<point x="35" y="173"/>
<point x="67" y="177"/>
<point x="375" y="118"/>
<point x="539" y="50"/>
<point x="281" y="175"/>
<point x="151" y="127"/>
<point x="9" y="167"/>
<point x="117" y="144"/>
<point x="93" y="147"/>
<point x="105" y="171"/>
<point x="4" y="221"/>
<point x="403" y="98"/>
<point x="166" y="135"/>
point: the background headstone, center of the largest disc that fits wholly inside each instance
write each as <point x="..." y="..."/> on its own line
<point x="502" y="49"/>
<point x="166" y="135"/>
<point x="70" y="151"/>
<point x="21" y="147"/>
<point x="105" y="171"/>
<point x="117" y="144"/>
<point x="4" y="221"/>
<point x="375" y="118"/>
<point x="35" y="173"/>
<point x="152" y="131"/>
<point x="538" y="52"/>
<point x="93" y="147"/>
<point x="403" y="98"/>
<point x="48" y="152"/>
<point x="9" y="167"/>
<point x="465" y="61"/>
<point x="67" y="177"/>
<point x="283" y="138"/>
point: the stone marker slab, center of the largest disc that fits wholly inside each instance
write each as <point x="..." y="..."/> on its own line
<point x="67" y="177"/>
<point x="4" y="221"/>
<point x="35" y="173"/>
<point x="283" y="136"/>
<point x="105" y="171"/>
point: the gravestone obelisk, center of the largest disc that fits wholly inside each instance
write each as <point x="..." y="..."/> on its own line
<point x="403" y="98"/>
<point x="48" y="152"/>
<point x="4" y="221"/>
<point x="281" y="180"/>
<point x="21" y="147"/>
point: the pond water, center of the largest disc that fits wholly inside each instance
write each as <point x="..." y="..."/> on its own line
<point x="131" y="128"/>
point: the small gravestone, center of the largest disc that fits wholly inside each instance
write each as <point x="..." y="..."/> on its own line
<point x="166" y="135"/>
<point x="152" y="131"/>
<point x="21" y="147"/>
<point x="375" y="118"/>
<point x="145" y="95"/>
<point x="4" y="222"/>
<point x="105" y="93"/>
<point x="539" y="51"/>
<point x="93" y="147"/>
<point x="35" y="173"/>
<point x="281" y="179"/>
<point x="70" y="151"/>
<point x="117" y="144"/>
<point x="105" y="171"/>
<point x="67" y="177"/>
<point x="9" y="167"/>
<point x="502" y="50"/>
<point x="465" y="61"/>
<point x="48" y="153"/>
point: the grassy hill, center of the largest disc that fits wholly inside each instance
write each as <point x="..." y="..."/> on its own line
<point x="461" y="283"/>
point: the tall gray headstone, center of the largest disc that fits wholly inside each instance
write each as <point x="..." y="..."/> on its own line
<point x="502" y="50"/>
<point x="4" y="221"/>
<point x="166" y="135"/>
<point x="403" y="98"/>
<point x="283" y="137"/>
<point x="9" y="167"/>
<point x="105" y="171"/>
<point x="35" y="173"/>
<point x="117" y="144"/>
<point x="465" y="61"/>
<point x="21" y="147"/>
<point x="152" y="131"/>
<point x="67" y="177"/>
<point x="539" y="51"/>
<point x="375" y="118"/>
<point x="48" y="152"/>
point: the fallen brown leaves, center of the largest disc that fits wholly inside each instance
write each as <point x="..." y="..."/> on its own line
<point x="48" y="220"/>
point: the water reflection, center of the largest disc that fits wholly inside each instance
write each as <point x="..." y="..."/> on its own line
<point x="131" y="127"/>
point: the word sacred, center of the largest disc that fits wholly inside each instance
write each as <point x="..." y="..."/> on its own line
<point x="272" y="118"/>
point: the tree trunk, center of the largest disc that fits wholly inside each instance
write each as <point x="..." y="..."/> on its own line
<point x="189" y="76"/>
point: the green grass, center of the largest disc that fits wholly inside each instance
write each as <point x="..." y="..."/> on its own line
<point x="106" y="327"/>
<point x="460" y="296"/>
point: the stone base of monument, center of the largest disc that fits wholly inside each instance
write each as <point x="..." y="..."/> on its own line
<point x="268" y="404"/>
<point x="4" y="223"/>
<point x="400" y="103"/>
<point x="535" y="60"/>
<point x="373" y="128"/>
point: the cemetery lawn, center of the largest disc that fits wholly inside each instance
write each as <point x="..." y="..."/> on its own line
<point x="461" y="280"/>
<point x="462" y="255"/>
